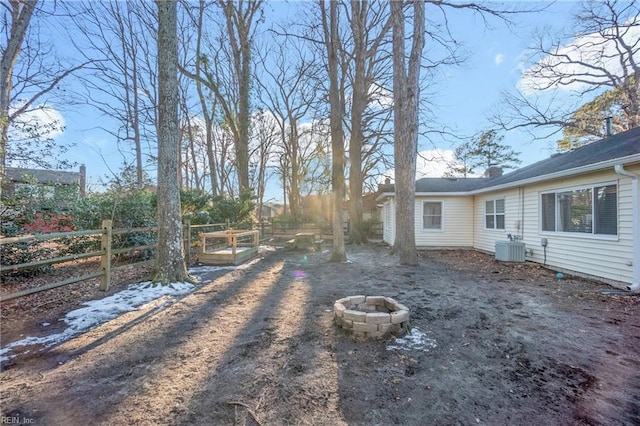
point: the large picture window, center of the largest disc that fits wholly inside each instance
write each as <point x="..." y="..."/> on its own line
<point x="494" y="214"/>
<point x="432" y="215"/>
<point x="591" y="210"/>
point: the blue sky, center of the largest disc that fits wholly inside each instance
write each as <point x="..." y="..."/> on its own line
<point x="464" y="95"/>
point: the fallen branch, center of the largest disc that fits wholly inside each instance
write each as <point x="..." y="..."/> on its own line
<point x="249" y="410"/>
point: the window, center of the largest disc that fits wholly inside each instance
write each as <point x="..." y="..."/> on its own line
<point x="432" y="215"/>
<point x="592" y="210"/>
<point x="548" y="212"/>
<point x="494" y="214"/>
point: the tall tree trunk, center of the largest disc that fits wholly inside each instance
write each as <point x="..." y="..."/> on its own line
<point x="331" y="41"/>
<point x="294" y="198"/>
<point x="170" y="264"/>
<point x="21" y="12"/>
<point x="358" y="104"/>
<point x="239" y="19"/>
<point x="208" y="117"/>
<point x="406" y="93"/>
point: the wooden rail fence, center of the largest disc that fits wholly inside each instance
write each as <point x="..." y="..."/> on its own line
<point x="106" y="253"/>
<point x="107" y="250"/>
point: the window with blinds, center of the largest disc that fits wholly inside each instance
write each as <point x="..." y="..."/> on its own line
<point x="590" y="210"/>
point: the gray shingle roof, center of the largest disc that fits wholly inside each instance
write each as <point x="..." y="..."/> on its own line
<point x="42" y="176"/>
<point x="450" y="184"/>
<point x="616" y="146"/>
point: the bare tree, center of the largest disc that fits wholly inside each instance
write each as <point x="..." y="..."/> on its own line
<point x="226" y="70"/>
<point x="288" y="92"/>
<point x="369" y="27"/>
<point x="332" y="42"/>
<point x="122" y="84"/>
<point x="21" y="13"/>
<point x="602" y="56"/>
<point x="265" y="134"/>
<point x="207" y="100"/>
<point x="170" y="263"/>
<point x="25" y="82"/>
<point x="406" y="95"/>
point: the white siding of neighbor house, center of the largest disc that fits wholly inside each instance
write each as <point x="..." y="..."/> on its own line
<point x="457" y="227"/>
<point x="605" y="257"/>
<point x="389" y="221"/>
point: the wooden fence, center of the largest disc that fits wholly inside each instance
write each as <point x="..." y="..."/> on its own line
<point x="105" y="253"/>
<point x="107" y="249"/>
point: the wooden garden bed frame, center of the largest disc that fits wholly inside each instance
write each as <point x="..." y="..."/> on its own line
<point x="233" y="252"/>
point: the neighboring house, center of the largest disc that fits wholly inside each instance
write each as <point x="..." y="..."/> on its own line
<point x="583" y="205"/>
<point x="45" y="180"/>
<point x="369" y="207"/>
<point x="271" y="210"/>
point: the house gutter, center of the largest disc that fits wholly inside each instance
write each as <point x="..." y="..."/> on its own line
<point x="635" y="194"/>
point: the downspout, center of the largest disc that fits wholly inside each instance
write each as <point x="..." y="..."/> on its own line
<point x="635" y="202"/>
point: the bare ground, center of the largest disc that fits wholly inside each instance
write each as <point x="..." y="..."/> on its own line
<point x="502" y="344"/>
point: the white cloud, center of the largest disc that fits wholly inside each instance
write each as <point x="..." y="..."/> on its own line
<point x="49" y="122"/>
<point x="499" y="59"/>
<point x="380" y="95"/>
<point x="430" y="163"/>
<point x="593" y="50"/>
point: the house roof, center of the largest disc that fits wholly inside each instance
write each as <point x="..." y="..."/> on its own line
<point x="599" y="154"/>
<point x="42" y="176"/>
<point x="620" y="145"/>
<point x="450" y="184"/>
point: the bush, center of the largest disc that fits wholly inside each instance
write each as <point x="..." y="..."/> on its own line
<point x="127" y="209"/>
<point x="236" y="210"/>
<point x="33" y="210"/>
<point x="25" y="252"/>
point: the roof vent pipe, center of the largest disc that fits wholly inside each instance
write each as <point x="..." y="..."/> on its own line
<point x="607" y="123"/>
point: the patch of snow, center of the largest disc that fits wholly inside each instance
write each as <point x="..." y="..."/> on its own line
<point x="414" y="340"/>
<point x="100" y="311"/>
<point x="96" y="312"/>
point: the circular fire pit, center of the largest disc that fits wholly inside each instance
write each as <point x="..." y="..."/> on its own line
<point x="371" y="316"/>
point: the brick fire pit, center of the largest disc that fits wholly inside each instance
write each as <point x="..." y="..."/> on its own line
<point x="371" y="316"/>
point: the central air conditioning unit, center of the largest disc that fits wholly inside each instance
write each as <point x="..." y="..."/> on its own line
<point x="510" y="251"/>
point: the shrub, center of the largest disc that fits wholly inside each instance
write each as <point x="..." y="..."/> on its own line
<point x="235" y="210"/>
<point x="126" y="209"/>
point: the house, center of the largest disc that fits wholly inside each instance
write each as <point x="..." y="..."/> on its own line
<point x="576" y="212"/>
<point x="370" y="211"/>
<point x="269" y="211"/>
<point x="46" y="180"/>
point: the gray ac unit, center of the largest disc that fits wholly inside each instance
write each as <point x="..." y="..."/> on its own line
<point x="510" y="251"/>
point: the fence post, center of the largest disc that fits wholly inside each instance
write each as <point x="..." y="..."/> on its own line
<point x="187" y="240"/>
<point x="105" y="261"/>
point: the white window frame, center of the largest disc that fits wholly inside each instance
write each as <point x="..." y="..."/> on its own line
<point x="495" y="215"/>
<point x="441" y="228"/>
<point x="592" y="234"/>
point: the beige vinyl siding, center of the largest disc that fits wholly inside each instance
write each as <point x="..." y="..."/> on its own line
<point x="485" y="239"/>
<point x="608" y="257"/>
<point x="457" y="227"/>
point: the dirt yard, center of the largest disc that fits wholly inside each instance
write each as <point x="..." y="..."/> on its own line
<point x="491" y="344"/>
